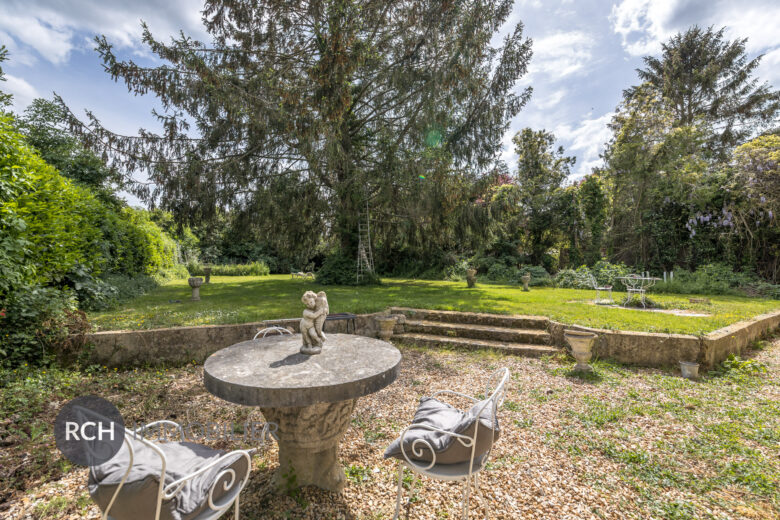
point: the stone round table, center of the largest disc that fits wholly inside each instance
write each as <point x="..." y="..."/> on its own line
<point x="311" y="398"/>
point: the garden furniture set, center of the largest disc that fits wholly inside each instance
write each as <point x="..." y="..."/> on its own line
<point x="637" y="284"/>
<point x="307" y="402"/>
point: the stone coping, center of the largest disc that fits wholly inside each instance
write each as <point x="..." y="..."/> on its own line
<point x="179" y="345"/>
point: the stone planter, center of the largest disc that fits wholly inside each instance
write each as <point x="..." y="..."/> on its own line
<point x="207" y="274"/>
<point x="690" y="370"/>
<point x="526" y="279"/>
<point x="471" y="277"/>
<point x="581" y="345"/>
<point x="386" y="326"/>
<point x="195" y="283"/>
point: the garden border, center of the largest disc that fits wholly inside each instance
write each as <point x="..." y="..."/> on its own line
<point x="178" y="345"/>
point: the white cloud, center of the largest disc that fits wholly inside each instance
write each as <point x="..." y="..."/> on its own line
<point x="550" y="100"/>
<point x="644" y="24"/>
<point x="561" y="54"/>
<point x="588" y="138"/>
<point x="23" y="92"/>
<point x="769" y="68"/>
<point x="52" y="31"/>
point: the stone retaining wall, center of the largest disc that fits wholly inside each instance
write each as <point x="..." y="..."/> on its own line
<point x="734" y="339"/>
<point x="179" y="345"/>
<point x="186" y="344"/>
<point x="658" y="350"/>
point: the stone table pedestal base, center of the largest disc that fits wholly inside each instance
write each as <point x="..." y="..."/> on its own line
<point x="308" y="439"/>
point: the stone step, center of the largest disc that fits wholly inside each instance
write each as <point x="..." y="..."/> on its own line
<point x="431" y="340"/>
<point x="468" y="330"/>
<point x="474" y="318"/>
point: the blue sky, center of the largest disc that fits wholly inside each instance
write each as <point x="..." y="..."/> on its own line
<point x="585" y="54"/>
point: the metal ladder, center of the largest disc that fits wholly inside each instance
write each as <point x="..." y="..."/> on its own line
<point x="365" y="258"/>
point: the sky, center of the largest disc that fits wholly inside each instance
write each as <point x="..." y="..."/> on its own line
<point x="585" y="53"/>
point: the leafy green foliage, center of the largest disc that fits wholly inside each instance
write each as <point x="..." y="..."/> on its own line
<point x="43" y="127"/>
<point x="337" y="269"/>
<point x="56" y="241"/>
<point x="252" y="269"/>
<point x="708" y="79"/>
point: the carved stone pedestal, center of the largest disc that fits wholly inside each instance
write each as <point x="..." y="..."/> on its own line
<point x="308" y="398"/>
<point x="308" y="439"/>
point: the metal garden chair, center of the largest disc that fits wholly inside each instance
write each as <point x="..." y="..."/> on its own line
<point x="208" y="481"/>
<point x="608" y="288"/>
<point x="466" y="471"/>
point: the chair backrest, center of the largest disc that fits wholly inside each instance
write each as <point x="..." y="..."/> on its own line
<point x="169" y="491"/>
<point x="495" y="390"/>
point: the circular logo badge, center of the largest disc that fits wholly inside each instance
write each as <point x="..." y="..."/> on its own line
<point x="89" y="430"/>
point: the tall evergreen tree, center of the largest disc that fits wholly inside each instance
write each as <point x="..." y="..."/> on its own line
<point x="307" y="112"/>
<point x="541" y="170"/>
<point x="706" y="79"/>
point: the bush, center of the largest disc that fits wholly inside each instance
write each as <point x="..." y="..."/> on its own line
<point x="539" y="275"/>
<point x="253" y="269"/>
<point x="715" y="279"/>
<point x="604" y="272"/>
<point x="341" y="270"/>
<point x="607" y="274"/>
<point x="32" y="321"/>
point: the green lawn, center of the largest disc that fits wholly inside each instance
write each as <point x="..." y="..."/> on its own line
<point x="245" y="299"/>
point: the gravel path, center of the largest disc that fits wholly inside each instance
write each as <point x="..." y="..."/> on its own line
<point x="571" y="448"/>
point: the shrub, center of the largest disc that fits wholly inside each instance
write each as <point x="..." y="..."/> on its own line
<point x="604" y="272"/>
<point x="539" y="275"/>
<point x="714" y="279"/>
<point x="253" y="269"/>
<point x="33" y="320"/>
<point x="574" y="278"/>
<point x="338" y="269"/>
<point x="607" y="274"/>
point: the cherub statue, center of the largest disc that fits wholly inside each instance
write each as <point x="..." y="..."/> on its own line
<point x="313" y="319"/>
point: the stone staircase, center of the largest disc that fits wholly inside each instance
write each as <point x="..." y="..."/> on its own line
<point x="519" y="335"/>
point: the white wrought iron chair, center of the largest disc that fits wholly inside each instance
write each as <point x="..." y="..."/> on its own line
<point x="608" y="288"/>
<point x="272" y="328"/>
<point x="215" y="505"/>
<point x="467" y="471"/>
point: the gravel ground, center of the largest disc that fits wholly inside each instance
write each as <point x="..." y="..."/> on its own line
<point x="627" y="443"/>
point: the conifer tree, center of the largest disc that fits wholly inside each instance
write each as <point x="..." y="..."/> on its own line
<point x="306" y="112"/>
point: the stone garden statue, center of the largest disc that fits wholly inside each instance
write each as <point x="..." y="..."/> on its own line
<point x="313" y="319"/>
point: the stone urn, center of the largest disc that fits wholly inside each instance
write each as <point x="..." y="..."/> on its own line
<point x="689" y="369"/>
<point x="195" y="283"/>
<point x="207" y="273"/>
<point x="581" y="344"/>
<point x="471" y="277"/>
<point x="526" y="279"/>
<point x="386" y="326"/>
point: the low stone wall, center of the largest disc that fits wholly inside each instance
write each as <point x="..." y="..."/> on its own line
<point x="651" y="349"/>
<point x="645" y="349"/>
<point x="186" y="344"/>
<point x="180" y="345"/>
<point x="734" y="339"/>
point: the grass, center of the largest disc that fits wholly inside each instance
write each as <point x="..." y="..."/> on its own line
<point x="245" y="299"/>
<point x="647" y="442"/>
<point x="732" y="446"/>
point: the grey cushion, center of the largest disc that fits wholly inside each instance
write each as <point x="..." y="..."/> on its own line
<point x="448" y="449"/>
<point x="137" y="499"/>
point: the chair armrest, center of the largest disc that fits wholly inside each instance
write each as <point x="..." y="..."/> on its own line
<point x="172" y="489"/>
<point x="419" y="444"/>
<point x="452" y="392"/>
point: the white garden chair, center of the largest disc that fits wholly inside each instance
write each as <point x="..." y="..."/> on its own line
<point x="608" y="288"/>
<point x="420" y="454"/>
<point x="209" y="482"/>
